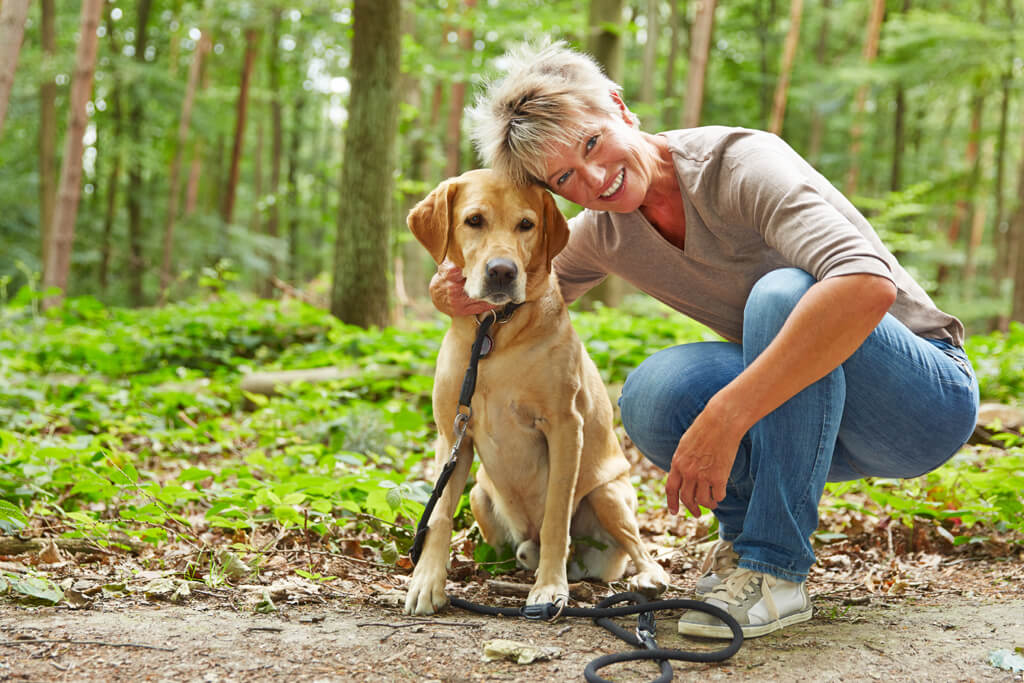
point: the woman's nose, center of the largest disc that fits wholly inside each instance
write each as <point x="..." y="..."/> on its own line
<point x="594" y="176"/>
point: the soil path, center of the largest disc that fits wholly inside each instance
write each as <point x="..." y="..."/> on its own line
<point x="948" y="638"/>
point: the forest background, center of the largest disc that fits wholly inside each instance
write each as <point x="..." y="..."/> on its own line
<point x="251" y="134"/>
<point x="193" y="192"/>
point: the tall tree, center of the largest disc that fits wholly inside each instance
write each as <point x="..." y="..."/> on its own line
<point x="457" y="102"/>
<point x="57" y="263"/>
<point x="604" y="35"/>
<point x="1017" y="245"/>
<point x="360" y="289"/>
<point x="677" y="28"/>
<point x="796" y="10"/>
<point x="700" y="50"/>
<point x="251" y="45"/>
<point x="47" y="120"/>
<point x="114" y="177"/>
<point x="136" y="259"/>
<point x="12" y="28"/>
<point x="898" y="129"/>
<point x="820" y="56"/>
<point x="175" y="173"/>
<point x="294" y="209"/>
<point x="276" y="143"/>
<point x="874" y="30"/>
<point x="650" y="58"/>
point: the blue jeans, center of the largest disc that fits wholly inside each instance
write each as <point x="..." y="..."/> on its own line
<point x="900" y="406"/>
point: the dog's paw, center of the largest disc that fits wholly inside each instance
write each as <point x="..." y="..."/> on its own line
<point x="426" y="591"/>
<point x="651" y="581"/>
<point x="548" y="592"/>
<point x="528" y="555"/>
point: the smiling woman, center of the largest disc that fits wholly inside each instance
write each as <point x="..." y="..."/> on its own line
<point x="831" y="345"/>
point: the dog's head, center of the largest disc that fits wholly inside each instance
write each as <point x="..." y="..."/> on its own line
<point x="500" y="235"/>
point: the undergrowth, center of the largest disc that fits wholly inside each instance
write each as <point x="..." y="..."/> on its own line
<point x="130" y="424"/>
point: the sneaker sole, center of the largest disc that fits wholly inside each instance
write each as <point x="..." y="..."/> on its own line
<point x="723" y="631"/>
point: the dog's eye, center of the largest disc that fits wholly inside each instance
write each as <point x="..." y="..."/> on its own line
<point x="525" y="224"/>
<point x="475" y="221"/>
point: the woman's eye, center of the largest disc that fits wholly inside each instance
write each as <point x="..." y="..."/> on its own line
<point x="592" y="142"/>
<point x="525" y="224"/>
<point x="562" y="178"/>
<point x="475" y="221"/>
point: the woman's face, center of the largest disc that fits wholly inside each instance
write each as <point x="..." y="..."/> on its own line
<point x="602" y="170"/>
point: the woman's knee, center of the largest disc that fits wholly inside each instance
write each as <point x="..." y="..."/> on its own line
<point x="666" y="392"/>
<point x="773" y="298"/>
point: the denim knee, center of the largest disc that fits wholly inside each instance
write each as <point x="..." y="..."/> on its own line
<point x="772" y="299"/>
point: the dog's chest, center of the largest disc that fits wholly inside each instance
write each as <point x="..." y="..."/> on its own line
<point x="507" y="436"/>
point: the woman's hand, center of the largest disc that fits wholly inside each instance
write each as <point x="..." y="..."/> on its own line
<point x="447" y="291"/>
<point x="702" y="462"/>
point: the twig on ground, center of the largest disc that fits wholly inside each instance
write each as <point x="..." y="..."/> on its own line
<point x="67" y="641"/>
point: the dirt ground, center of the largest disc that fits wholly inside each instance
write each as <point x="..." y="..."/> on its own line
<point x="942" y="626"/>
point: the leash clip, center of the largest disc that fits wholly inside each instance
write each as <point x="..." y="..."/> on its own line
<point x="544" y="611"/>
<point x="645" y="630"/>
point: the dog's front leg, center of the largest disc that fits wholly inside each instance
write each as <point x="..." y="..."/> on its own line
<point x="426" y="588"/>
<point x="564" y="433"/>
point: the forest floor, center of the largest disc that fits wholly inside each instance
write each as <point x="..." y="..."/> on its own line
<point x="892" y="603"/>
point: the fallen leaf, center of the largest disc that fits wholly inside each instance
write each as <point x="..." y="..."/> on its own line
<point x="520" y="653"/>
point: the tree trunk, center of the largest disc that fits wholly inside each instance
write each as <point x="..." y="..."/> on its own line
<point x="650" y="59"/>
<point x="175" y="173"/>
<point x="456" y="105"/>
<point x="869" y="54"/>
<point x="604" y="36"/>
<point x="114" y="179"/>
<point x="57" y="266"/>
<point x="47" y="123"/>
<point x="276" y="146"/>
<point x="669" y="114"/>
<point x="228" y="211"/>
<point x="360" y="290"/>
<point x="700" y="49"/>
<point x="796" y="10"/>
<point x="294" y="207"/>
<point x="12" y="28"/>
<point x="1002" y="228"/>
<point x="136" y="260"/>
<point x="817" y="120"/>
<point x="964" y="207"/>
<point x="1017" y="245"/>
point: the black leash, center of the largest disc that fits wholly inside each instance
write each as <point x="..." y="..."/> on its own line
<point x="645" y="630"/>
<point x="643" y="638"/>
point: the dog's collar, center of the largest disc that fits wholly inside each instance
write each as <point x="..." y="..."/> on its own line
<point x="498" y="316"/>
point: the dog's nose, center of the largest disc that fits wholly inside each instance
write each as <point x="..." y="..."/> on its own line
<point x="501" y="272"/>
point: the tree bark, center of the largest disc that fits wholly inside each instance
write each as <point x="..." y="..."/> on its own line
<point x="650" y="57"/>
<point x="136" y="259"/>
<point x="817" y="120"/>
<point x="669" y="114"/>
<point x="294" y="208"/>
<point x="47" y="123"/>
<point x="1017" y="245"/>
<point x="360" y="290"/>
<point x="251" y="44"/>
<point x="57" y="266"/>
<point x="114" y="178"/>
<point x="870" y="52"/>
<point x="456" y="105"/>
<point x="796" y="10"/>
<point x="276" y="146"/>
<point x="603" y="41"/>
<point x="700" y="49"/>
<point x="175" y="173"/>
<point x="12" y="28"/>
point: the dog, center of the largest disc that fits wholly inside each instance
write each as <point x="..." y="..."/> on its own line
<point x="551" y="466"/>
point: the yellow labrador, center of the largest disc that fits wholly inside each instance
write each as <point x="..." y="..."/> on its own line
<point x="551" y="466"/>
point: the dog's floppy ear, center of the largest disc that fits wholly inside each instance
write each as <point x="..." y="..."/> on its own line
<point x="430" y="220"/>
<point x="556" y="229"/>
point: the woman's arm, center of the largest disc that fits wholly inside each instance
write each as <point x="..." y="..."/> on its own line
<point x="829" y="323"/>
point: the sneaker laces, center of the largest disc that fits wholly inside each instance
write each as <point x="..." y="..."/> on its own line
<point x="741" y="584"/>
<point x="721" y="557"/>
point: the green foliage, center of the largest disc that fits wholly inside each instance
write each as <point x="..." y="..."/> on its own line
<point x="130" y="423"/>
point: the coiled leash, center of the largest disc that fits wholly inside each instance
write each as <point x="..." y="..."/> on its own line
<point x="643" y="638"/>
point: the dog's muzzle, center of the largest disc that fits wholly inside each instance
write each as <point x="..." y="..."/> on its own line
<point x="500" y="280"/>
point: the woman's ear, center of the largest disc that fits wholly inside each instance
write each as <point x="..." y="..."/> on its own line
<point x="430" y="220"/>
<point x="629" y="117"/>
<point x="556" y="228"/>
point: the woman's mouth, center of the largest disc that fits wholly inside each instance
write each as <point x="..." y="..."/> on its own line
<point x="615" y="186"/>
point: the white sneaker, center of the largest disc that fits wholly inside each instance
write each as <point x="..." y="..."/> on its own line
<point x="719" y="563"/>
<point x="759" y="602"/>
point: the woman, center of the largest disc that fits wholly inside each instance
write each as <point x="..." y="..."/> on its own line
<point x="837" y="365"/>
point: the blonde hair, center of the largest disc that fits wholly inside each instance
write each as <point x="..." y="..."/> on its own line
<point x="522" y="118"/>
